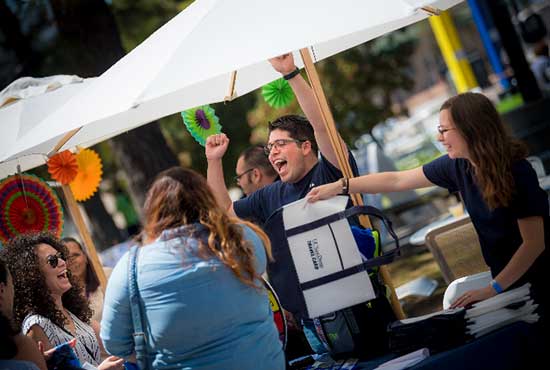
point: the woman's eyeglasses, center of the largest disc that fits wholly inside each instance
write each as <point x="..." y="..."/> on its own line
<point x="53" y="259"/>
<point x="442" y="130"/>
<point x="279" y="144"/>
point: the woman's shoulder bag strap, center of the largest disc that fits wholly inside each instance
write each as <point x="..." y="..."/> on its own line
<point x="140" y="344"/>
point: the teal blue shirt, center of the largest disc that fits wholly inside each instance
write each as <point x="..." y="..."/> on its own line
<point x="198" y="314"/>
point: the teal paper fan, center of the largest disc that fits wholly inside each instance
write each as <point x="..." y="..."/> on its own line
<point x="201" y="122"/>
<point x="278" y="94"/>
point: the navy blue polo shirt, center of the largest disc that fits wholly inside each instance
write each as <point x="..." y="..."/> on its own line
<point x="498" y="230"/>
<point x="262" y="203"/>
<point x="262" y="206"/>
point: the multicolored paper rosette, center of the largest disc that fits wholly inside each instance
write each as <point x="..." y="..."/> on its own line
<point x="28" y="204"/>
<point x="201" y="122"/>
<point x="63" y="167"/>
<point x="278" y="94"/>
<point x="86" y="182"/>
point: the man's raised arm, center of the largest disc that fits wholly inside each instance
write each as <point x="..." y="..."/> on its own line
<point x="284" y="64"/>
<point x="215" y="148"/>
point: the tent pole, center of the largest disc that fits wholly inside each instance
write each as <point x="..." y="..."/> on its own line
<point x="338" y="146"/>
<point x="63" y="140"/>
<point x="231" y="92"/>
<point x="85" y="235"/>
<point x="78" y="219"/>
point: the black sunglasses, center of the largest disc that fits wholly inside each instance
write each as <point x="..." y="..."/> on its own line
<point x="53" y="259"/>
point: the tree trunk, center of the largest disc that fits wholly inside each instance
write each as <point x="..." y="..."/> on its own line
<point x="104" y="231"/>
<point x="25" y="59"/>
<point x="145" y="152"/>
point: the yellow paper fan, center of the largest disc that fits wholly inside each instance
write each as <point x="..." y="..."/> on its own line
<point x="89" y="174"/>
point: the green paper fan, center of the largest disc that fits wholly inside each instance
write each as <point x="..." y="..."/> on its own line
<point x="278" y="94"/>
<point x="201" y="122"/>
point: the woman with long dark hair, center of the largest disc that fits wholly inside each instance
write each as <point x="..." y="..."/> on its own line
<point x="500" y="190"/>
<point x="83" y="272"/>
<point x="199" y="281"/>
<point x="48" y="304"/>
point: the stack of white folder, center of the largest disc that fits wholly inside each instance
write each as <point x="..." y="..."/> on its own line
<point x="500" y="310"/>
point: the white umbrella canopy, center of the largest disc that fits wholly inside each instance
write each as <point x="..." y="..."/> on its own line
<point x="188" y="62"/>
<point x="23" y="104"/>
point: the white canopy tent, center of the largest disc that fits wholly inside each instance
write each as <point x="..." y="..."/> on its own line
<point x="23" y="105"/>
<point x="213" y="51"/>
<point x="190" y="61"/>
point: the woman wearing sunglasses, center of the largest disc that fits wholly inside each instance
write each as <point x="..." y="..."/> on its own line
<point x="199" y="283"/>
<point x="500" y="190"/>
<point x="48" y="303"/>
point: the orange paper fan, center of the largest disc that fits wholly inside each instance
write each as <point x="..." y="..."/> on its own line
<point x="89" y="174"/>
<point x="63" y="167"/>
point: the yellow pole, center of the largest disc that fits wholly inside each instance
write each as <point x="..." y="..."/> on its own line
<point x="453" y="53"/>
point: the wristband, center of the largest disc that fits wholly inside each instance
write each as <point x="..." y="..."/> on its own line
<point x="496" y="286"/>
<point x="292" y="74"/>
<point x="345" y="185"/>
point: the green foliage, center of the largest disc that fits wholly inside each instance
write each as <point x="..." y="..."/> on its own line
<point x="359" y="83"/>
<point x="138" y="19"/>
<point x="417" y="159"/>
<point x="509" y="103"/>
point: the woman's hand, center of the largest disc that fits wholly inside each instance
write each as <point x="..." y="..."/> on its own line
<point x="324" y="191"/>
<point x="473" y="296"/>
<point x="112" y="363"/>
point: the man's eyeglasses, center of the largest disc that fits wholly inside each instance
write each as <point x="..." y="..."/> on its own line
<point x="442" y="130"/>
<point x="53" y="259"/>
<point x="238" y="177"/>
<point x="279" y="144"/>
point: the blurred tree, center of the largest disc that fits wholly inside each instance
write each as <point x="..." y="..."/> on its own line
<point x="359" y="84"/>
<point x="23" y="27"/>
<point x="17" y="57"/>
<point x="88" y="29"/>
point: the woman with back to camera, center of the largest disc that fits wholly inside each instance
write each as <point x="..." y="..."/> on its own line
<point x="198" y="276"/>
<point x="48" y="302"/>
<point x="500" y="190"/>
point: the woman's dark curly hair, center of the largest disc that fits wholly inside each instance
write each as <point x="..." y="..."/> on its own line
<point x="31" y="294"/>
